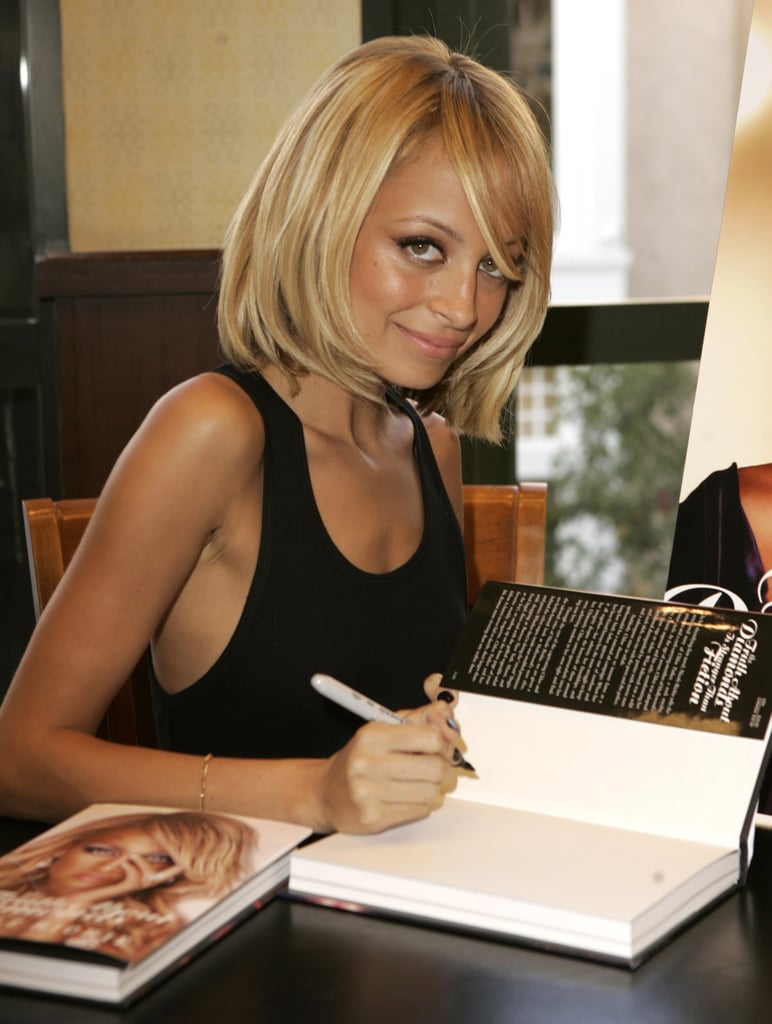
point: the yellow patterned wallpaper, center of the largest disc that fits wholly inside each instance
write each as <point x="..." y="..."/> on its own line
<point x="171" y="104"/>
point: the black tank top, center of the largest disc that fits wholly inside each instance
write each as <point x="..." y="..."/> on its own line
<point x="310" y="610"/>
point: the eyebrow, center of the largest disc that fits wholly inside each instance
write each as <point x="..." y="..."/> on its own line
<point x="437" y="224"/>
<point x="444" y="228"/>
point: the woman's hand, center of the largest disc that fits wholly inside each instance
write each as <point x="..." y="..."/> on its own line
<point x="131" y="876"/>
<point x="388" y="775"/>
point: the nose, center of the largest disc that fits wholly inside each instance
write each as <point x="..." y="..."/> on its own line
<point x="455" y="297"/>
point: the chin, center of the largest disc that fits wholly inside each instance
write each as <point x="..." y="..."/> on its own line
<point x="415" y="381"/>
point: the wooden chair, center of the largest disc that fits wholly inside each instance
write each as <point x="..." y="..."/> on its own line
<point x="53" y="530"/>
<point x="504" y="533"/>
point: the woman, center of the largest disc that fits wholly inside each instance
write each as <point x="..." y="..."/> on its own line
<point x="382" y="281"/>
<point x="115" y="884"/>
<point x="722" y="548"/>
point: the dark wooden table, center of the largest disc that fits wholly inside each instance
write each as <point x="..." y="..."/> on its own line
<point x="297" y="963"/>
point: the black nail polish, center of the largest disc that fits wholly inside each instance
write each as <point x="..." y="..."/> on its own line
<point x="459" y="761"/>
<point x="446" y="695"/>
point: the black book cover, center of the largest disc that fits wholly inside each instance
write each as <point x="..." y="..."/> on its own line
<point x="671" y="664"/>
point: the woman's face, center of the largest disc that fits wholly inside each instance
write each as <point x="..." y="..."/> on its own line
<point x="107" y="858"/>
<point x="423" y="285"/>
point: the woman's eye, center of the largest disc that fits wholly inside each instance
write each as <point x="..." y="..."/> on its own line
<point x="162" y="860"/>
<point x="98" y="850"/>
<point x="488" y="266"/>
<point x="421" y="248"/>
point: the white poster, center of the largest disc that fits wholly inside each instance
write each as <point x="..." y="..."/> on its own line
<point x="722" y="550"/>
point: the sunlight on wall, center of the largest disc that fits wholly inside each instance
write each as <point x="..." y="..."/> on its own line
<point x="757" y="81"/>
<point x="171" y="104"/>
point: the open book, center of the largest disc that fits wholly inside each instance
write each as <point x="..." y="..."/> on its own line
<point x="105" y="904"/>
<point x="618" y="746"/>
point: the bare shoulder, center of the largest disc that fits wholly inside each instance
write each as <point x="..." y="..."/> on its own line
<point x="757" y="479"/>
<point x="200" y="445"/>
<point x="209" y="408"/>
<point x="207" y="418"/>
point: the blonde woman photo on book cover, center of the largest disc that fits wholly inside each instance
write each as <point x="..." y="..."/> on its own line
<point x="120" y="885"/>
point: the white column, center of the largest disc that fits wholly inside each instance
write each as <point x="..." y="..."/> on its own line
<point x="589" y="122"/>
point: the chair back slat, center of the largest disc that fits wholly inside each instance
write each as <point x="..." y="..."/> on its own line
<point x="53" y="530"/>
<point x="504" y="533"/>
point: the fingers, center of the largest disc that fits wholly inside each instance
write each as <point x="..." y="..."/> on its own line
<point x="418" y="736"/>
<point x="434" y="690"/>
<point x="433" y="686"/>
<point x="409" y="763"/>
<point x="438" y="714"/>
<point x="392" y="774"/>
<point x="170" y="874"/>
<point x="414" y="787"/>
<point x="136" y="875"/>
<point x="387" y="775"/>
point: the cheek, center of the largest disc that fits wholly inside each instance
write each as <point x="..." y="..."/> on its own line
<point x="378" y="289"/>
<point x="60" y="871"/>
<point x="498" y="303"/>
<point x="398" y="288"/>
<point x="490" y="309"/>
<point x="64" y="861"/>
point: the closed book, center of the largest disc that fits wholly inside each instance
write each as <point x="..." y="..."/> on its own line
<point x="107" y="903"/>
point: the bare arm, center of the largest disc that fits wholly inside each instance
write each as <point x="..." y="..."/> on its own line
<point x="172" y="505"/>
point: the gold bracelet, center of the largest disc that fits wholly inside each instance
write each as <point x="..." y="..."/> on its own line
<point x="202" y="787"/>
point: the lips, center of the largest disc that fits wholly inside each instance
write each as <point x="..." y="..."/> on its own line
<point x="433" y="346"/>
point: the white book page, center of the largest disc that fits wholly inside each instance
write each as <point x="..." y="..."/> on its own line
<point x="522" y="873"/>
<point x="625" y="773"/>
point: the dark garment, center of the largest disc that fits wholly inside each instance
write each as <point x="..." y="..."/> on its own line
<point x="714" y="545"/>
<point x="310" y="610"/>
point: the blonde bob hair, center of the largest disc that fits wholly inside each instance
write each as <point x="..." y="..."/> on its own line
<point x="284" y="295"/>
<point x="214" y="852"/>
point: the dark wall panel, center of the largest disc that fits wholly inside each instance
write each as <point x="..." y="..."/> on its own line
<point x="128" y="327"/>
